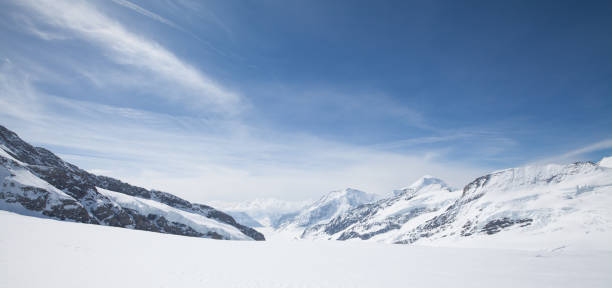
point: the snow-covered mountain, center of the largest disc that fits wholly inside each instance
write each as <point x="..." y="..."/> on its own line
<point x="550" y="205"/>
<point x="382" y="219"/>
<point x="36" y="182"/>
<point x="328" y="207"/>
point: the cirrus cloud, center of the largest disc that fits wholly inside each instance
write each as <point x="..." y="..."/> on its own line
<point x="134" y="51"/>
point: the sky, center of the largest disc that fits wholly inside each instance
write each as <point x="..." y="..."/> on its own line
<point x="240" y="100"/>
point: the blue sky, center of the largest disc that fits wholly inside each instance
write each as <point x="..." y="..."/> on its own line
<point x="235" y="100"/>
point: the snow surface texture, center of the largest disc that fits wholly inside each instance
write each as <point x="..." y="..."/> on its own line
<point x="37" y="252"/>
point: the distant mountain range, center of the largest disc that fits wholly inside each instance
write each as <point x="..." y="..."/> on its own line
<point x="36" y="182"/>
<point x="551" y="205"/>
<point x="545" y="205"/>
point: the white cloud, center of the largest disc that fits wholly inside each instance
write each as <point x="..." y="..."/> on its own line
<point x="131" y="50"/>
<point x="576" y="154"/>
<point x="17" y="95"/>
<point x="147" y="13"/>
<point x="33" y="29"/>
<point x="601" y="145"/>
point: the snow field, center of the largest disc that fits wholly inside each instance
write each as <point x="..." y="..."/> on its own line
<point x="37" y="252"/>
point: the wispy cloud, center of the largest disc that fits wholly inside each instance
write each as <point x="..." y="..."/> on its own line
<point x="577" y="154"/>
<point x="37" y="31"/>
<point x="601" y="145"/>
<point x="128" y="49"/>
<point x="422" y="140"/>
<point x="147" y="13"/>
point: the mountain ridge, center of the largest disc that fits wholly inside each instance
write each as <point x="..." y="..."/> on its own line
<point x="83" y="203"/>
<point x="532" y="205"/>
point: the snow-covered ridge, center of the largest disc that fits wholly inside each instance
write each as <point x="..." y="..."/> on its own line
<point x="38" y="183"/>
<point x="197" y="222"/>
<point x="534" y="176"/>
<point x="542" y="206"/>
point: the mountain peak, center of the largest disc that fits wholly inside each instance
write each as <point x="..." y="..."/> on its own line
<point x="422" y="183"/>
<point x="352" y="196"/>
<point x="426" y="181"/>
<point x="329" y="206"/>
<point x="346" y="191"/>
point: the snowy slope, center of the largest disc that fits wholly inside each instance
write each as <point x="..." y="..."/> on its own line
<point x="38" y="252"/>
<point x="328" y="207"/>
<point x="386" y="218"/>
<point x="197" y="222"/>
<point x="23" y="192"/>
<point x="606" y="162"/>
<point x="36" y="182"/>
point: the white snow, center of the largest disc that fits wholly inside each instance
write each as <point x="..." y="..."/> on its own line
<point x="425" y="181"/>
<point x="38" y="252"/>
<point x="4" y="154"/>
<point x="198" y="222"/>
<point x="606" y="162"/>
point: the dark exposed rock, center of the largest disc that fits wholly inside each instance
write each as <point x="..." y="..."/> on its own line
<point x="75" y="212"/>
<point x="352" y="234"/>
<point x="38" y="200"/>
<point x="497" y="225"/>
